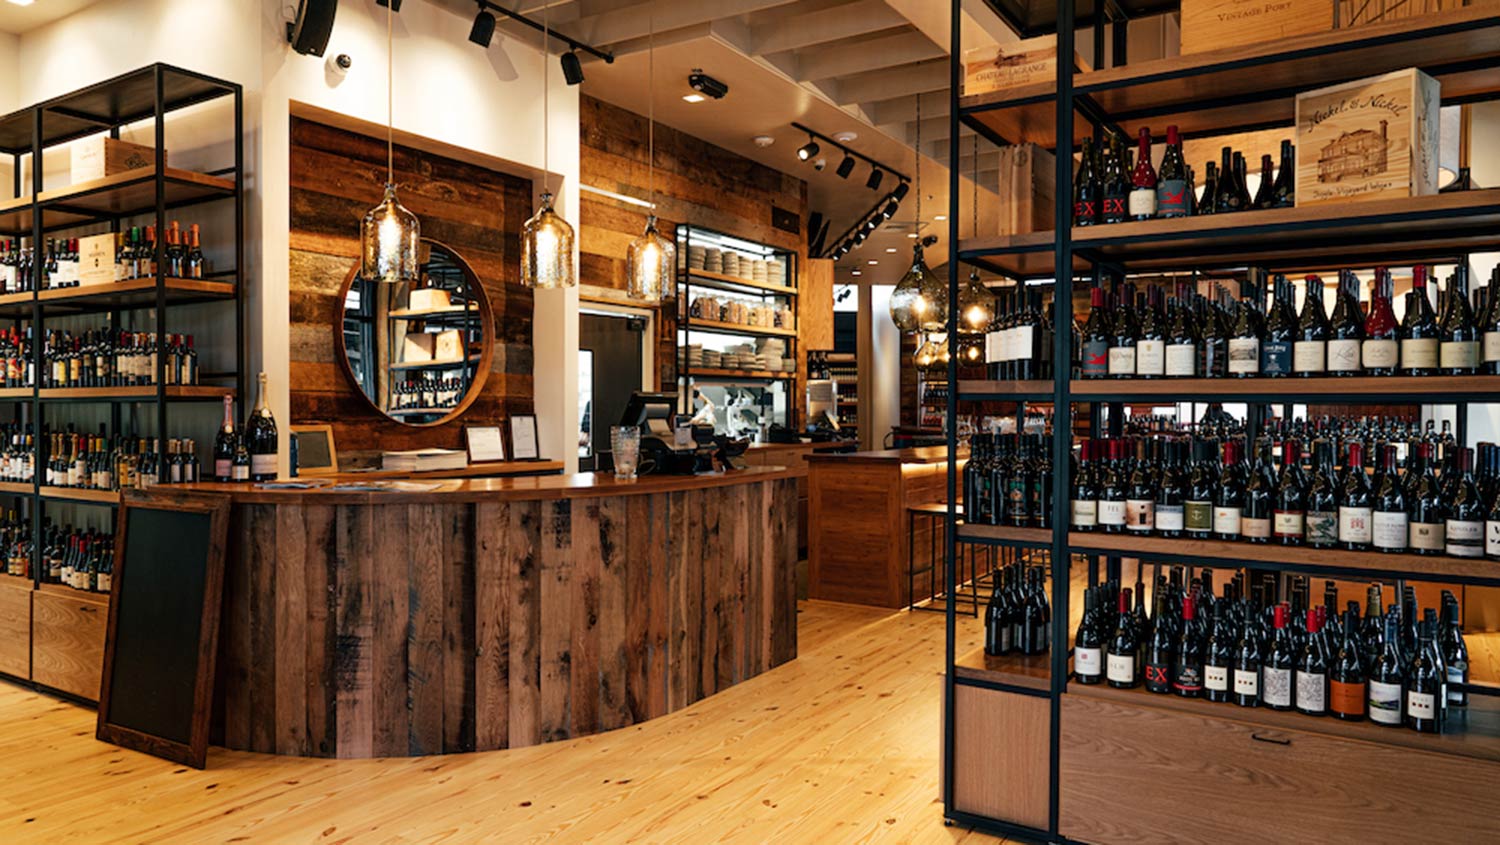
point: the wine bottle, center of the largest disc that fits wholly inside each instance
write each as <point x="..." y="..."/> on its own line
<point x="224" y="444"/>
<point x="262" y="437"/>
<point x="1122" y="669"/>
<point x="1356" y="503"/>
<point x="1226" y="194"/>
<point x="1241" y="183"/>
<point x="1115" y="182"/>
<point x="1489" y="326"/>
<point x="1464" y="526"/>
<point x="1458" y="351"/>
<point x="1218" y="654"/>
<point x="1312" y="670"/>
<point x="1346" y="677"/>
<point x="1151" y="339"/>
<point x="1380" y="352"/>
<point x="1387" y="679"/>
<point x="1086" y="187"/>
<point x="1260" y="496"/>
<point x="1140" y="498"/>
<point x="1419" y="329"/>
<point x="1424" y="681"/>
<point x="1173" y="197"/>
<point x="1248" y="661"/>
<point x="1427" y="512"/>
<point x="1097" y="335"/>
<point x="1389" y="531"/>
<point x="1346" y="331"/>
<point x="1124" y="329"/>
<point x="1142" y="201"/>
<point x="1198" y="509"/>
<point x="1290" y="514"/>
<point x="996" y="626"/>
<point x="1171" y="492"/>
<point x="1280" y="332"/>
<point x="1310" y="351"/>
<point x="1210" y="190"/>
<point x="1265" y="195"/>
<point x="1455" y="652"/>
<point x="1034" y="616"/>
<point x="1112" y="490"/>
<point x="1188" y="675"/>
<point x="1213" y="340"/>
<point x="1229" y="501"/>
<point x="1161" y="650"/>
<point x="1285" y="190"/>
<point x="1276" y="673"/>
<point x="1182" y="341"/>
<point x="1088" y="642"/>
<point x="1244" y="341"/>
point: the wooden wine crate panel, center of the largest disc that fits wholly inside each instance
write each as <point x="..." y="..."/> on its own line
<point x="1374" y="138"/>
<point x="15" y="626"/>
<point x="1001" y="754"/>
<point x="67" y="640"/>
<point x="1003" y="68"/>
<point x="1216" y="24"/>
<point x="1026" y="189"/>
<point x="1127" y="772"/>
<point x="1353" y="13"/>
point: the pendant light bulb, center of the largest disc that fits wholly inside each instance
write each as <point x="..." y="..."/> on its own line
<point x="976" y="307"/>
<point x="926" y="353"/>
<point x="649" y="264"/>
<point x="547" y="249"/>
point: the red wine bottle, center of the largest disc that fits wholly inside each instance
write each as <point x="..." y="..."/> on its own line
<point x="1276" y="674"/>
<point x="1096" y="337"/>
<point x="1312" y="669"/>
<point x="1123" y="658"/>
<point x="1379" y="353"/>
<point x="1173" y="189"/>
<point x="1419" y="329"/>
<point x="1142" y="201"/>
<point x="1346" y="677"/>
<point x="1088" y="642"/>
<point x="1086" y="187"/>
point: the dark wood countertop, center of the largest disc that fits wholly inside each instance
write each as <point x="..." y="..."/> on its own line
<point x="527" y="488"/>
<point x="919" y="455"/>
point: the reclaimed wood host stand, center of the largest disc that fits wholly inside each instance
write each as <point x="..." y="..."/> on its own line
<point x="494" y="613"/>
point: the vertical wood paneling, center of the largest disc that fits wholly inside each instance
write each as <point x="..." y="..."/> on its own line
<point x="583" y="663"/>
<point x="459" y="562"/>
<point x="290" y="698"/>
<point x="635" y="560"/>
<point x="322" y="613"/>
<point x="425" y="684"/>
<point x="659" y="554"/>
<point x="391" y="588"/>
<point x="615" y="612"/>
<point x="492" y="607"/>
<point x="556" y="639"/>
<point x="354" y="574"/>
<point x="524" y="544"/>
<point x="263" y="639"/>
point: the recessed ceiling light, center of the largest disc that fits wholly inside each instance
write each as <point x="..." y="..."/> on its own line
<point x="694" y="98"/>
<point x="841" y="137"/>
<point x="873" y="261"/>
<point x="940" y="218"/>
<point x="856" y="272"/>
<point x="21" y="2"/>
<point x="912" y="235"/>
<point x="890" y="249"/>
<point x="763" y="141"/>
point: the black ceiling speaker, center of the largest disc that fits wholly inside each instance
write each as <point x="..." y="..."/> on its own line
<point x="309" y="33"/>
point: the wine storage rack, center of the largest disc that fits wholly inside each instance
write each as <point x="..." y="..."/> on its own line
<point x="1107" y="754"/>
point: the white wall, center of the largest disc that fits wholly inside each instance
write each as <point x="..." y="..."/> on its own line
<point x="446" y="90"/>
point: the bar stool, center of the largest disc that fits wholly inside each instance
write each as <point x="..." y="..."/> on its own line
<point x="935" y="515"/>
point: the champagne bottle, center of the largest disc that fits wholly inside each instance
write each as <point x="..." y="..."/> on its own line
<point x="262" y="438"/>
<point x="224" y="444"/>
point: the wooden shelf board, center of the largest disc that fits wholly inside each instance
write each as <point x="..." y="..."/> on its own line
<point x="68" y="592"/>
<point x="1041" y="537"/>
<point x="708" y="279"/>
<point x="125" y="193"/>
<point x="136" y="292"/>
<point x="727" y="372"/>
<point x="436" y="365"/>
<point x="15" y="393"/>
<point x="137" y="394"/>
<point x="1029" y="671"/>
<point x="81" y="494"/>
<point x="989" y="389"/>
<point x="15" y="582"/>
<point x="693" y="324"/>
<point x="1477" y="735"/>
<point x="412" y="412"/>
<point x="1432" y="566"/>
<point x="429" y="313"/>
<point x="16" y="488"/>
<point x="1350" y="388"/>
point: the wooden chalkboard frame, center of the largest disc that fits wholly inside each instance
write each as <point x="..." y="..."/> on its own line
<point x="195" y="753"/>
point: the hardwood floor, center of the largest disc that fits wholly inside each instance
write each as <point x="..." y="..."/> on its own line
<point x="840" y="745"/>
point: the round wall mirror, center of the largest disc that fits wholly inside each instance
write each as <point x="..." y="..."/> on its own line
<point x="418" y="353"/>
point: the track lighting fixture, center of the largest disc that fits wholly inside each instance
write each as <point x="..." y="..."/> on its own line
<point x="890" y="209"/>
<point x="846" y="166"/>
<point x="483" y="31"/>
<point x="808" y="150"/>
<point x="395" y="5"/>
<point x="873" y="183"/>
<point x="572" y="68"/>
<point x="901" y="191"/>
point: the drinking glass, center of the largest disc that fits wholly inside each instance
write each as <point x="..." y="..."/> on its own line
<point x="625" y="443"/>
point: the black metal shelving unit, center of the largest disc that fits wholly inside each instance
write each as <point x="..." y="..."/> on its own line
<point x="1246" y="88"/>
<point x="150" y="93"/>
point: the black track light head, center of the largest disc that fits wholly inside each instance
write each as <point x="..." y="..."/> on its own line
<point x="572" y="68"/>
<point x="846" y="166"/>
<point x="394" y="4"/>
<point x="807" y="150"/>
<point x="890" y="209"/>
<point x="901" y="191"/>
<point x="873" y="183"/>
<point x="483" y="31"/>
<point x="859" y="237"/>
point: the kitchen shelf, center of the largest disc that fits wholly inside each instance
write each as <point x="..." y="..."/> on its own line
<point x="734" y="284"/>
<point x="695" y="324"/>
<point x="1017" y="670"/>
<point x="1430" y="389"/>
<point x="731" y="374"/>
<point x="181" y="393"/>
<point x="1005" y="535"/>
<point x="81" y="494"/>
<point x="1371" y="564"/>
<point x="131" y="293"/>
<point x="1477" y="736"/>
<point x="451" y="364"/>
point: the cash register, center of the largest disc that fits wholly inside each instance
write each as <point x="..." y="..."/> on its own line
<point x="665" y="450"/>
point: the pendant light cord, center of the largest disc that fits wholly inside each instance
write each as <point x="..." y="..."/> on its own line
<point x="975" y="179"/>
<point x="546" y="96"/>
<point x="390" y="96"/>
<point x="918" y="228"/>
<point x="651" y="101"/>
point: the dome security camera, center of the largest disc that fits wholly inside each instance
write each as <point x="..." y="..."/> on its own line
<point x="820" y="164"/>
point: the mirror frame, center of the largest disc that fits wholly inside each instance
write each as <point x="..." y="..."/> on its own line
<point x="486" y="356"/>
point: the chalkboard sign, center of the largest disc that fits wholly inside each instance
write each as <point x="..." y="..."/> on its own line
<point x="163" y="631"/>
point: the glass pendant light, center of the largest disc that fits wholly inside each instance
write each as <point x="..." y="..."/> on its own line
<point x="940" y="363"/>
<point x="927" y="352"/>
<point x="389" y="234"/>
<point x="547" y="239"/>
<point x="976" y="307"/>
<point x="650" y="259"/>
<point x="970" y="349"/>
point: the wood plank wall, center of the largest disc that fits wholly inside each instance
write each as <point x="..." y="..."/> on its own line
<point x="696" y="182"/>
<point x="337" y="176"/>
<point x="512" y="623"/>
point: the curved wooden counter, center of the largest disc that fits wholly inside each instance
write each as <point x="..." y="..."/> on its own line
<point x="494" y="613"/>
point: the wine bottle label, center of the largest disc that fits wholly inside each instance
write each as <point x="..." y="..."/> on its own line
<point x="1244" y="354"/>
<point x="1085" y="513"/>
<point x="1150" y="357"/>
<point x="1095" y="358"/>
<point x="1139" y="514"/>
<point x="1172" y="198"/>
<point x="1143" y="202"/>
<point x="1492" y="346"/>
<point x="222" y="467"/>
<point x="1425" y="535"/>
<point x="1455" y="675"/>
<point x="1346" y="698"/>
<point x="1188" y="678"/>
<point x="1246" y="682"/>
<point x="1354" y="525"/>
<point x="1114" y="208"/>
<point x="1182" y="359"/>
<point x="240" y="473"/>
<point x="1288" y="524"/>
<point x="1417" y="353"/>
<point x="1276" y="686"/>
<point x="1085" y="211"/>
<point x="263" y="464"/>
<point x="1378" y="354"/>
<point x="1343" y="356"/>
<point x="1122" y="360"/>
<point x="1023" y="343"/>
<point x="1216" y="678"/>
<point x="1088" y="661"/>
<point x="1421" y="705"/>
<point x="1111" y="513"/>
<point x="992" y="348"/>
<point x="1388" y="530"/>
<point x="1007" y="638"/>
<point x="1255" y="528"/>
<point x="1276" y="357"/>
<point x="1199" y="516"/>
<point x="1465" y="538"/>
<point x="1492" y="538"/>
<point x="1312" y="694"/>
<point x="1169" y="517"/>
<point x="1458" y="353"/>
<point x="1157" y="677"/>
<point x="1309" y="356"/>
<point x="1385" y="703"/>
<point x="1121" y="668"/>
<point x="1226" y="520"/>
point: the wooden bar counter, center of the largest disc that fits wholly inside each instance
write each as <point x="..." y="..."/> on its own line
<point x="494" y="613"/>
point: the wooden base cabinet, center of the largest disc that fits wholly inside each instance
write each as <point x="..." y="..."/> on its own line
<point x="67" y="645"/>
<point x="15" y="628"/>
<point x="1135" y="773"/>
<point x="1000" y="755"/>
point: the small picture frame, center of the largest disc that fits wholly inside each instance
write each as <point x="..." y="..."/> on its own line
<point x="485" y="443"/>
<point x="524" y="445"/>
<point x="314" y="451"/>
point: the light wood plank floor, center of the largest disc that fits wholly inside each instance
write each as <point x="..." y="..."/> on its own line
<point x="839" y="746"/>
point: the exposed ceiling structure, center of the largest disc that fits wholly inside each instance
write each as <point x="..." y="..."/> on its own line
<point x="860" y="66"/>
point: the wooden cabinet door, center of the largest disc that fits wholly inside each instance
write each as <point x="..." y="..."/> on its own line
<point x="67" y="648"/>
<point x="15" y="628"/>
<point x="1001" y="751"/>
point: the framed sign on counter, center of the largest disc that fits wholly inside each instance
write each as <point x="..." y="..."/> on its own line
<point x="313" y="450"/>
<point x="485" y="443"/>
<point x="523" y="438"/>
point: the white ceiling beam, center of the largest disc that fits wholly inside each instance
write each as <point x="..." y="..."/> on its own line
<point x="865" y="55"/>
<point x="637" y="21"/>
<point x="822" y="27"/>
<point x="904" y="109"/>
<point x="893" y="82"/>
